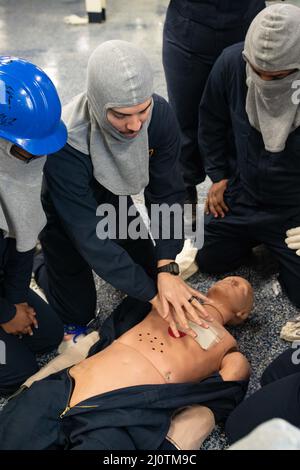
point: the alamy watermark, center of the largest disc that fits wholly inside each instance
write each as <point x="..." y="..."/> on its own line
<point x="2" y="353"/>
<point x="296" y="94"/>
<point x="162" y="222"/>
<point x="296" y="354"/>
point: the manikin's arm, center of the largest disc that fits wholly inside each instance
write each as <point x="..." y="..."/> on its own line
<point x="70" y="357"/>
<point x="235" y="366"/>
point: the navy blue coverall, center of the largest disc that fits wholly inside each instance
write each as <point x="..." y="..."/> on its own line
<point x="195" y="34"/>
<point x="279" y="397"/>
<point x="263" y="191"/>
<point x="130" y="418"/>
<point x="18" y="361"/>
<point x="71" y="247"/>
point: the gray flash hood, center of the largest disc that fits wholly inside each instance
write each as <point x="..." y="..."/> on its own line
<point x="119" y="75"/>
<point x="273" y="44"/>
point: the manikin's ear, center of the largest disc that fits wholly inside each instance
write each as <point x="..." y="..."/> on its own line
<point x="242" y="315"/>
<point x="238" y="318"/>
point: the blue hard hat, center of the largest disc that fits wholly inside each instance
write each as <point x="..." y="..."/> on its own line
<point x="30" y="109"/>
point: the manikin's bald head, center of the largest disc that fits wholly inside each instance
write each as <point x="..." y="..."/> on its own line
<point x="233" y="296"/>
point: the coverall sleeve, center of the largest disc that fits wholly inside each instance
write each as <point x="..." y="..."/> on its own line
<point x="215" y="124"/>
<point x="68" y="184"/>
<point x="17" y="275"/>
<point x="166" y="186"/>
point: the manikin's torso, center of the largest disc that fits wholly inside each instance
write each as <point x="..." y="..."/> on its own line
<point x="147" y="354"/>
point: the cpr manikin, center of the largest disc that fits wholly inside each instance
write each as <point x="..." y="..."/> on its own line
<point x="149" y="354"/>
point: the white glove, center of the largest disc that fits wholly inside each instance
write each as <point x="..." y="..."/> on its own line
<point x="293" y="239"/>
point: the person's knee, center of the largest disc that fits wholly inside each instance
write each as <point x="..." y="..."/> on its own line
<point x="294" y="297"/>
<point x="293" y="294"/>
<point x="55" y="335"/>
<point x="49" y="336"/>
<point x="290" y="286"/>
<point x="208" y="263"/>
<point x="235" y="367"/>
<point x="270" y="374"/>
<point x="203" y="261"/>
<point x="50" y="327"/>
<point x="281" y="367"/>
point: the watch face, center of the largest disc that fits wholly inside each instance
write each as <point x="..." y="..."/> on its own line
<point x="174" y="268"/>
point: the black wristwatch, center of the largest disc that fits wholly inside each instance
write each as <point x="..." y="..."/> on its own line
<point x="171" y="268"/>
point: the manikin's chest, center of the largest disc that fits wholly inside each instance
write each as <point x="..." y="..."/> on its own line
<point x="177" y="359"/>
<point x="147" y="354"/>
